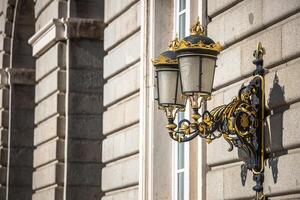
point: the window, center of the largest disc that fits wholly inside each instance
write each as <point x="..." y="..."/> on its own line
<point x="181" y="150"/>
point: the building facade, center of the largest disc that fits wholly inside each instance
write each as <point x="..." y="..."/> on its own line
<point x="78" y="115"/>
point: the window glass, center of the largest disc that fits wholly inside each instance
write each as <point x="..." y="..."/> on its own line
<point x="180" y="186"/>
<point x="181" y="5"/>
<point x="182" y="25"/>
<point x="180" y="156"/>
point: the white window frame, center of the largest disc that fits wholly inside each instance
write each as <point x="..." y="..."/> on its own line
<point x="175" y="171"/>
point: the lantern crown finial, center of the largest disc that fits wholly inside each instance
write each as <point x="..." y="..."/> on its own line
<point x="197" y="29"/>
<point x="174" y="43"/>
<point x="197" y="40"/>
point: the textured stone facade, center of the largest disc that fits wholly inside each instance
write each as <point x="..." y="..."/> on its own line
<point x="78" y="118"/>
<point x="121" y="72"/>
<point x="239" y="26"/>
<point x="52" y="91"/>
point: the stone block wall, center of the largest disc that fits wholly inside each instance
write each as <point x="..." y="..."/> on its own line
<point x="239" y="26"/>
<point x="5" y="33"/>
<point x="120" y="147"/>
<point x="51" y="99"/>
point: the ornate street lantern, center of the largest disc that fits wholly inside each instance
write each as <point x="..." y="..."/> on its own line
<point x="168" y="77"/>
<point x="197" y="55"/>
<point x="192" y="60"/>
<point x="169" y="93"/>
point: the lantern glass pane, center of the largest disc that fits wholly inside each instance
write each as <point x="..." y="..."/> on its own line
<point x="208" y="71"/>
<point x="180" y="100"/>
<point x="189" y="71"/>
<point x="167" y="85"/>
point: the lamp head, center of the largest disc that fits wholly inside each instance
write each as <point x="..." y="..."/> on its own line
<point x="197" y="55"/>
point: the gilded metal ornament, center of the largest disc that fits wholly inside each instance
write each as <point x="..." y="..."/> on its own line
<point x="161" y="60"/>
<point x="164" y="58"/>
<point x="197" y="40"/>
<point x="197" y="29"/>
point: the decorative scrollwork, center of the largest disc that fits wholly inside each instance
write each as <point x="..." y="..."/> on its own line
<point x="236" y="122"/>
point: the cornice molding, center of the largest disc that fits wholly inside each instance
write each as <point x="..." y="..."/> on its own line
<point x="64" y="29"/>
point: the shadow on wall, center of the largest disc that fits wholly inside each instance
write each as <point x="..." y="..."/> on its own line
<point x="273" y="129"/>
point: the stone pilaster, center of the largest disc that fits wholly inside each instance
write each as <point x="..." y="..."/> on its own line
<point x="68" y="109"/>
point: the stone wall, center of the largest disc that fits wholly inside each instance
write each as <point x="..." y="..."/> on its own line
<point x="121" y="72"/>
<point x="51" y="99"/>
<point x="239" y="26"/>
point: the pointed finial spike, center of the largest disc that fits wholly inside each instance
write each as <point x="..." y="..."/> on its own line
<point x="259" y="52"/>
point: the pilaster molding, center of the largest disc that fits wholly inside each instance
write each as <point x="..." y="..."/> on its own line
<point x="63" y="29"/>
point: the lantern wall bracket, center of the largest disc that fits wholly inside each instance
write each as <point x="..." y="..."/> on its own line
<point x="240" y="123"/>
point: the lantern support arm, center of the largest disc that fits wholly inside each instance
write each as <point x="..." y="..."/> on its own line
<point x="240" y="123"/>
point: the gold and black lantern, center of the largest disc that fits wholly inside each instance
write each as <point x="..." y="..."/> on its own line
<point x="169" y="92"/>
<point x="192" y="60"/>
<point x="197" y="55"/>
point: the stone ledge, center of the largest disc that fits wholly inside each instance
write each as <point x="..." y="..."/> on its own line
<point x="131" y="193"/>
<point x="55" y="81"/>
<point x="54" y="104"/>
<point x="123" y="84"/>
<point x="84" y="28"/>
<point x="121" y="173"/>
<point x="48" y="152"/>
<point x="62" y="29"/>
<point x="123" y="26"/>
<point x="115" y="8"/>
<point x="50" y="60"/>
<point x="48" y="175"/>
<point x="49" y="193"/>
<point x="121" y="115"/>
<point x="17" y="76"/>
<point x="215" y="6"/>
<point x="126" y="58"/>
<point x="47" y="36"/>
<point x="49" y="129"/>
<point x="120" y="144"/>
